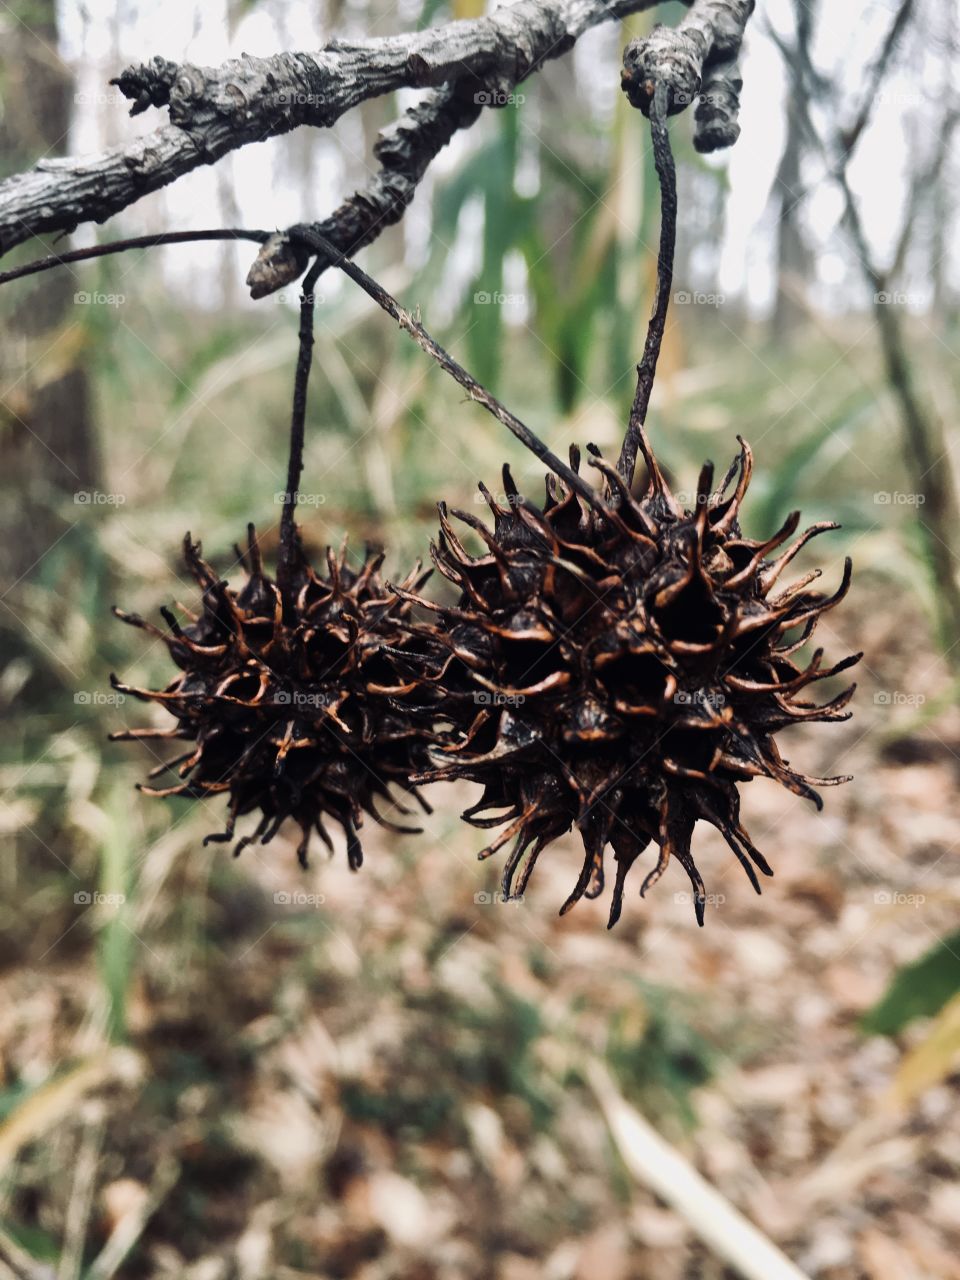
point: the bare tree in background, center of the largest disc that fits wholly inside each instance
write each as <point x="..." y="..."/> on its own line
<point x="49" y="451"/>
<point x="925" y="454"/>
<point x="792" y="253"/>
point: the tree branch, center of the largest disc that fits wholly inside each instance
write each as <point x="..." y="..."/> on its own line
<point x="215" y="110"/>
<point x="405" y="151"/>
<point x="696" y="59"/>
<point x="407" y="148"/>
<point x="474" y="63"/>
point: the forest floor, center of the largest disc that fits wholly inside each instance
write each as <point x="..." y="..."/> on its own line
<point x="382" y="1076"/>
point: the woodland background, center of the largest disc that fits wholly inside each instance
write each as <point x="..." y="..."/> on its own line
<point x="241" y="1070"/>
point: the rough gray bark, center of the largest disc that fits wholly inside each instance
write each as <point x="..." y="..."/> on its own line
<point x="405" y="151"/>
<point x="698" y="59"/>
<point x="472" y="64"/>
<point x="709" y="43"/>
<point x="214" y="110"/>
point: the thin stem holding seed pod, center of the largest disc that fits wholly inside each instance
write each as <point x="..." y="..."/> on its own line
<point x="647" y="368"/>
<point x="288" y="524"/>
<point x="476" y="391"/>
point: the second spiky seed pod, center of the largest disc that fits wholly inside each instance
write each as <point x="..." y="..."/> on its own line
<point x="286" y="696"/>
<point x="622" y="669"/>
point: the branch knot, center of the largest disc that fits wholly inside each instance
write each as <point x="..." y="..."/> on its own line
<point x="696" y="61"/>
<point x="149" y="85"/>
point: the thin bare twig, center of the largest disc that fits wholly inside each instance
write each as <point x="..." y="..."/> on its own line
<point x="134" y="242"/>
<point x="878" y="69"/>
<point x="469" y="64"/>
<point x="476" y="391"/>
<point x="288" y="525"/>
<point x="925" y="454"/>
<point x="647" y="368"/>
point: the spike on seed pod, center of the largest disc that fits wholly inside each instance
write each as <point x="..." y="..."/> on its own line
<point x="623" y="668"/>
<point x="287" y="698"/>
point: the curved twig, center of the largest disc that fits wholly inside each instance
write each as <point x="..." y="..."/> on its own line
<point x="134" y="242"/>
<point x="310" y="237"/>
<point x="647" y="368"/>
<point x="288" y="524"/>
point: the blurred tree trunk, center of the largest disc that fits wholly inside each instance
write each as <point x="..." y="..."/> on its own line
<point x="944" y="306"/>
<point x="46" y="435"/>
<point x="793" y="259"/>
<point x="943" y="196"/>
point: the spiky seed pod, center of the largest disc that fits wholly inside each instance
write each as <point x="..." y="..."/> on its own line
<point x="623" y="669"/>
<point x="287" y="697"/>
